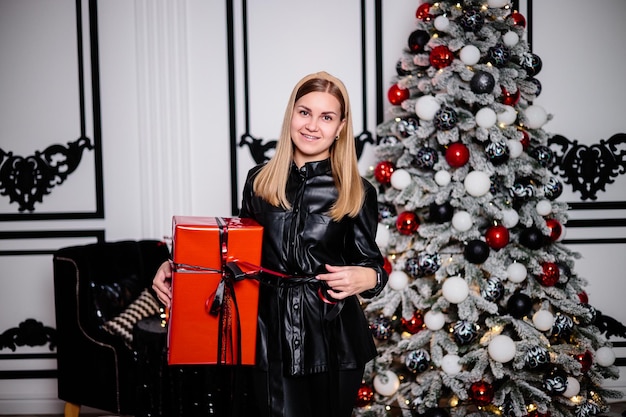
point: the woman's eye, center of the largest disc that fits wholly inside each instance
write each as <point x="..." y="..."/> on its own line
<point x="328" y="118"/>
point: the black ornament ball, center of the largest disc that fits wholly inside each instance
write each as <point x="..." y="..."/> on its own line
<point x="417" y="361"/>
<point x="493" y="290"/>
<point x="519" y="305"/>
<point x="553" y="188"/>
<point x="386" y="211"/>
<point x="381" y="328"/>
<point x="532" y="238"/>
<point x="563" y="326"/>
<point x="498" y="55"/>
<point x="482" y="82"/>
<point x="464" y="332"/>
<point x="417" y="40"/>
<point x="471" y="20"/>
<point x="531" y="63"/>
<point x="497" y="152"/>
<point x="423" y="265"/>
<point x="565" y="272"/>
<point x="587" y="409"/>
<point x="555" y="381"/>
<point x="441" y="213"/>
<point x="445" y="118"/>
<point x="476" y="251"/>
<point x="537" y="357"/>
<point x="426" y="158"/>
<point x="387" y="140"/>
<point x="538" y="86"/>
<point x="543" y="155"/>
<point x="523" y="189"/>
<point x="590" y="314"/>
<point x="400" y="70"/>
<point x="404" y="127"/>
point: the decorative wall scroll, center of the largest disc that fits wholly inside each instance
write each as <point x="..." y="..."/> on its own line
<point x="30" y="332"/>
<point x="589" y="169"/>
<point x="26" y="180"/>
<point x="29" y="178"/>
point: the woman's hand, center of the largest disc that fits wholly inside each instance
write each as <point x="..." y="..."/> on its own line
<point x="344" y="281"/>
<point x="162" y="283"/>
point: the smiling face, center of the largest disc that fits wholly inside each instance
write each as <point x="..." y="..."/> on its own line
<point x="315" y="123"/>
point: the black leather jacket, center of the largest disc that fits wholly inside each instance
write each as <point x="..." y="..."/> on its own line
<point x="295" y="326"/>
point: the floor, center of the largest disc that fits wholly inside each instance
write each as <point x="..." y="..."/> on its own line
<point x="617" y="410"/>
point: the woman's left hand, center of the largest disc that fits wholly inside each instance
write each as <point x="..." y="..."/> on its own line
<point x="344" y="281"/>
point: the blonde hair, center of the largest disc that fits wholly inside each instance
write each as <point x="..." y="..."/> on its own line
<point x="271" y="182"/>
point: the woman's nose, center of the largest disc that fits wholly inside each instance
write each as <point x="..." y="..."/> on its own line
<point x="311" y="125"/>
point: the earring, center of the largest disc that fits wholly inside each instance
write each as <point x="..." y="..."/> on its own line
<point x="336" y="137"/>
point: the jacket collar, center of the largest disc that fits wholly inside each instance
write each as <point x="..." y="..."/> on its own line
<point x="313" y="169"/>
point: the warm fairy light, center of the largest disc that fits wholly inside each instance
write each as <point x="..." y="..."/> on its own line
<point x="454" y="401"/>
<point x="387" y="407"/>
<point x="576" y="399"/>
<point x="531" y="407"/>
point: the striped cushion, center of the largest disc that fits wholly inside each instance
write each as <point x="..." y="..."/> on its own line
<point x="145" y="305"/>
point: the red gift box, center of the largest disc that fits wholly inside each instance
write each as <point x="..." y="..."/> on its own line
<point x="213" y="315"/>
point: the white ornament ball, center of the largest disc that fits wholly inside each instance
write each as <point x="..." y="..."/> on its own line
<point x="462" y="221"/>
<point x="443" y="178"/>
<point x="605" y="356"/>
<point x="515" y="148"/>
<point x="469" y="55"/>
<point x="510" y="38"/>
<point x="434" y="320"/>
<point x="543" y="320"/>
<point x="508" y="116"/>
<point x="497" y="4"/>
<point x="486" y="117"/>
<point x="451" y="365"/>
<point x="386" y="383"/>
<point x="501" y="348"/>
<point x="382" y="236"/>
<point x="516" y="272"/>
<point x="573" y="387"/>
<point x="398" y="280"/>
<point x="536" y="116"/>
<point x="510" y="218"/>
<point x="400" y="179"/>
<point x="426" y="107"/>
<point x="477" y="183"/>
<point x="441" y="23"/>
<point x="543" y="207"/>
<point x="455" y="289"/>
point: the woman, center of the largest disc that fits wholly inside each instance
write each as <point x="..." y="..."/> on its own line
<point x="319" y="218"/>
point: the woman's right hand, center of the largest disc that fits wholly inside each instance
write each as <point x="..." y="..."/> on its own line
<point x="162" y="283"/>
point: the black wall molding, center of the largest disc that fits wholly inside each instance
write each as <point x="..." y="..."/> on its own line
<point x="30" y="332"/>
<point x="25" y="180"/>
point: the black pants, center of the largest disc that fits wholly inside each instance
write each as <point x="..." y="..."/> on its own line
<point x="328" y="394"/>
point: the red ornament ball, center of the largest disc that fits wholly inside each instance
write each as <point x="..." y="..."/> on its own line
<point x="525" y="139"/>
<point x="510" y="99"/>
<point x="585" y="360"/>
<point x="481" y="393"/>
<point x="387" y="266"/>
<point x="583" y="297"/>
<point x="397" y="94"/>
<point x="407" y="223"/>
<point x="423" y="12"/>
<point x="518" y="19"/>
<point x="457" y="155"/>
<point x="414" y="324"/>
<point x="383" y="172"/>
<point x="441" y="56"/>
<point x="364" y="395"/>
<point x="555" y="229"/>
<point x="550" y="275"/>
<point x="497" y="236"/>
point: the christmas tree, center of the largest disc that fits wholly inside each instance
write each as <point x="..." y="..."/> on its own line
<point x="483" y="313"/>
